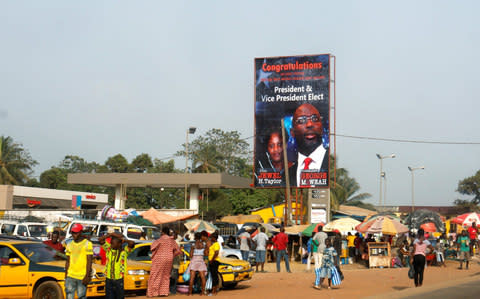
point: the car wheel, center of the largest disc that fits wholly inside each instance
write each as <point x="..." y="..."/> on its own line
<point x="233" y="257"/>
<point x="48" y="290"/>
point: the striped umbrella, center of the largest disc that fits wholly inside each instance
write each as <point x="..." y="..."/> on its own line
<point x="383" y="224"/>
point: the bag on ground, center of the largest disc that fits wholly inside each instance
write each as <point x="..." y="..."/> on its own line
<point x="208" y="283"/>
<point x="336" y="280"/>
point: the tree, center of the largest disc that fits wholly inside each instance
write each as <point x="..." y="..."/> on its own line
<point x="471" y="187"/>
<point x="16" y="164"/>
<point x="218" y="151"/>
<point x="163" y="167"/>
<point x="142" y="163"/>
<point x="54" y="178"/>
<point x="117" y="163"/>
<point x="76" y="164"/>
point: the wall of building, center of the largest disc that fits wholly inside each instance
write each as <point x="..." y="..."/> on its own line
<point x="6" y="197"/>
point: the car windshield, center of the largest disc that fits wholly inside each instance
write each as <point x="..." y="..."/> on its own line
<point x="37" y="230"/>
<point x="39" y="252"/>
<point x="152" y="233"/>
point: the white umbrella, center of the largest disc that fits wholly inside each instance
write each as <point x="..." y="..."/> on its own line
<point x="343" y="225"/>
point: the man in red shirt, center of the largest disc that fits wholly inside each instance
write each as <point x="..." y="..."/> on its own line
<point x="54" y="243"/>
<point x="281" y="241"/>
<point x="472" y="233"/>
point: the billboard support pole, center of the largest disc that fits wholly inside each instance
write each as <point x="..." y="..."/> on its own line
<point x="287" y="177"/>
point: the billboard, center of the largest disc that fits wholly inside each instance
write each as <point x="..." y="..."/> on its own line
<point x="294" y="89"/>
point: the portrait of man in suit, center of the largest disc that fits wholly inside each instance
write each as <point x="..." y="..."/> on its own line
<point x="311" y="167"/>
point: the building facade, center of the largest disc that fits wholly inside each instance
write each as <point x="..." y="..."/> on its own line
<point x="20" y="197"/>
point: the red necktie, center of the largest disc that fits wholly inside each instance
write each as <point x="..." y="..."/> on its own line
<point x="307" y="162"/>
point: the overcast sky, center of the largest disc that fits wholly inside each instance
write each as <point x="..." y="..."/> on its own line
<point x="97" y="78"/>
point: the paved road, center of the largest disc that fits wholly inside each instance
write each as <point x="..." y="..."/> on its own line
<point x="466" y="290"/>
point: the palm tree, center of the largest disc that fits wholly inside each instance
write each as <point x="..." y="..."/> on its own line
<point x="206" y="160"/>
<point x="15" y="162"/>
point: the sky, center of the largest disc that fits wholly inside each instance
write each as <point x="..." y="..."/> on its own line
<point x="97" y="78"/>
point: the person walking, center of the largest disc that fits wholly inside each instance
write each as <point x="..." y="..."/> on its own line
<point x="213" y="263"/>
<point x="420" y="245"/>
<point x="245" y="242"/>
<point x="318" y="248"/>
<point x="197" y="262"/>
<point x="78" y="267"/>
<point x="464" y="249"/>
<point x="163" y="250"/>
<point x="116" y="264"/>
<point x="328" y="265"/>
<point x="260" y="240"/>
<point x="281" y="243"/>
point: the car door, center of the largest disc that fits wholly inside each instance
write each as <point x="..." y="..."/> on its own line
<point x="13" y="278"/>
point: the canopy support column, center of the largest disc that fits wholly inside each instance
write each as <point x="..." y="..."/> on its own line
<point x="194" y="191"/>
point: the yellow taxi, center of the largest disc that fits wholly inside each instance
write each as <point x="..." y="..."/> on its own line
<point x="231" y="271"/>
<point x="30" y="269"/>
<point x="137" y="275"/>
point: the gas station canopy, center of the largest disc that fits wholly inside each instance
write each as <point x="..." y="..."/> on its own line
<point x="161" y="180"/>
<point x="194" y="181"/>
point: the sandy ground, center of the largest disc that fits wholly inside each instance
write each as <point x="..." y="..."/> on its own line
<point x="359" y="282"/>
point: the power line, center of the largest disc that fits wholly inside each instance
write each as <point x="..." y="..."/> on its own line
<point x="407" y="140"/>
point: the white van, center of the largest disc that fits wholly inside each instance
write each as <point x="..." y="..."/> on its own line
<point x="130" y="231"/>
<point x="35" y="230"/>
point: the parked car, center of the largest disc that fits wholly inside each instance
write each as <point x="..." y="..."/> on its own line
<point x="130" y="231"/>
<point x="24" y="229"/>
<point x="30" y="269"/>
<point x="231" y="271"/>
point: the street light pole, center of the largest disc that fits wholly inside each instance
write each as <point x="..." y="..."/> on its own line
<point x="190" y="130"/>
<point x="380" y="157"/>
<point x="412" y="169"/>
<point x="384" y="189"/>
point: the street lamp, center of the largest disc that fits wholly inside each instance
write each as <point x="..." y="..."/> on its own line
<point x="190" y="130"/>
<point x="384" y="176"/>
<point x="380" y="157"/>
<point x="412" y="169"/>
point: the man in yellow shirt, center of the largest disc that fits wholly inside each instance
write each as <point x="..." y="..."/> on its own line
<point x="213" y="252"/>
<point x="79" y="264"/>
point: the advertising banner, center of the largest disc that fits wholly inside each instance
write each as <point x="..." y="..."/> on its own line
<point x="294" y="89"/>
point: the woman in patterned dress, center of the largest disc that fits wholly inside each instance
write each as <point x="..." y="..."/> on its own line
<point x="163" y="250"/>
<point x="328" y="263"/>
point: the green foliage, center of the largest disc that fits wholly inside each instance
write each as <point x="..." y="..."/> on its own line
<point x="16" y="164"/>
<point x="218" y="151"/>
<point x="117" y="163"/>
<point x="470" y="186"/>
<point x="142" y="163"/>
<point x="54" y="178"/>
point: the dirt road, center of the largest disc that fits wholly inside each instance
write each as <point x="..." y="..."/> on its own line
<point x="359" y="282"/>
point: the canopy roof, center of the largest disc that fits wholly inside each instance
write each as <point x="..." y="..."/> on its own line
<point x="159" y="180"/>
<point x="157" y="217"/>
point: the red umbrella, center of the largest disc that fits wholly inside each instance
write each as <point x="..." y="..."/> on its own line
<point x="467" y="219"/>
<point x="429" y="227"/>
